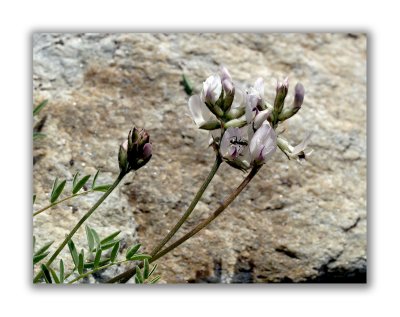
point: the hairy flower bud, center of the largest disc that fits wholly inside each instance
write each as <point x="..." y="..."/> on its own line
<point x="281" y="92"/>
<point x="297" y="102"/>
<point x="136" y="151"/>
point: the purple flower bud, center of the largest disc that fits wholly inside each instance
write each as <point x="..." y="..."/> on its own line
<point x="298" y="95"/>
<point x="212" y="89"/>
<point x="136" y="151"/>
<point x="281" y="92"/>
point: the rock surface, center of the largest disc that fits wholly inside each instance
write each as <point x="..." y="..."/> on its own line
<point x="294" y="223"/>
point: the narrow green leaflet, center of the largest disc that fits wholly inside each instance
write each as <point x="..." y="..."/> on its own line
<point x="139" y="257"/>
<point x="97" y="259"/>
<point x="80" y="184"/>
<point x="109" y="245"/>
<point x="54" y="275"/>
<point x="96" y="237"/>
<point x="102" y="188"/>
<point x="34" y="242"/>
<point x="34" y="198"/>
<point x="74" y="253"/>
<point x="57" y="192"/>
<point x="61" y="271"/>
<point x="46" y="273"/>
<point x="153" y="269"/>
<point x="110" y="237"/>
<point x="75" y="179"/>
<point x="89" y="237"/>
<point x="44" y="248"/>
<point x="95" y="178"/>
<point x="39" y="257"/>
<point x="139" y="275"/>
<point x="80" y="262"/>
<point x="145" y="268"/>
<point x="40" y="107"/>
<point x="155" y="280"/>
<point x="132" y="250"/>
<point x="53" y="188"/>
<point x="114" y="252"/>
<point x="186" y="85"/>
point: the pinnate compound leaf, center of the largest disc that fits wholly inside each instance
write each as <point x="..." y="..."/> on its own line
<point x="57" y="192"/>
<point x="80" y="184"/>
<point x="132" y="250"/>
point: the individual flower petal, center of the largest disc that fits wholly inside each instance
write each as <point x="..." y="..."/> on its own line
<point x="212" y="89"/>
<point x="263" y="144"/>
<point x="198" y="110"/>
<point x="234" y="148"/>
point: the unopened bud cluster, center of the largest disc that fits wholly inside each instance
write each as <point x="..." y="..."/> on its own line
<point x="134" y="152"/>
<point x="241" y="123"/>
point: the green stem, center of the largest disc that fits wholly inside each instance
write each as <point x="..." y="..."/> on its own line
<point x="79" y="224"/>
<point x="128" y="274"/>
<point x="60" y="201"/>
<point x="214" y="215"/>
<point x="193" y="204"/>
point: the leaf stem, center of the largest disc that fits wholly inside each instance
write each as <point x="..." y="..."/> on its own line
<point x="79" y="224"/>
<point x="125" y="276"/>
<point x="62" y="200"/>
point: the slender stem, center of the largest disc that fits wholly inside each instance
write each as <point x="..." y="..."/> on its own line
<point x="193" y="204"/>
<point x="79" y="224"/>
<point x="128" y="274"/>
<point x="60" y="201"/>
<point x="214" y="215"/>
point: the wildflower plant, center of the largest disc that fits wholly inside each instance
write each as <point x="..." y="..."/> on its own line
<point x="242" y="129"/>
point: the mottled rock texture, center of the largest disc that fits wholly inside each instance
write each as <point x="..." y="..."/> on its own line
<point x="294" y="223"/>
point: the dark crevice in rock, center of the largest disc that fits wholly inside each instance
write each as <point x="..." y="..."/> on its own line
<point x="353" y="225"/>
<point x="244" y="271"/>
<point x="287" y="252"/>
<point x="340" y="275"/>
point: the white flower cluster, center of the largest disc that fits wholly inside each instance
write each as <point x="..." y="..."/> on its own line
<point x="241" y="123"/>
